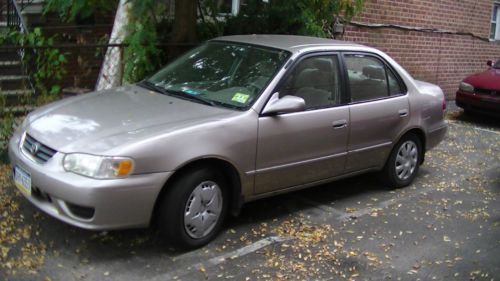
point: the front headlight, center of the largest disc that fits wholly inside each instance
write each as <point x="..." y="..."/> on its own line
<point x="99" y="167"/>
<point x="466" y="87"/>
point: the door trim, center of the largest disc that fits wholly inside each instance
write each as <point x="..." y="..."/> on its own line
<point x="298" y="163"/>
<point x="370" y="147"/>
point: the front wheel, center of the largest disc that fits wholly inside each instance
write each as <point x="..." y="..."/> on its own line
<point x="193" y="209"/>
<point x="404" y="162"/>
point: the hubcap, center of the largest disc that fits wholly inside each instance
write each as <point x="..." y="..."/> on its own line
<point x="406" y="160"/>
<point x="203" y="209"/>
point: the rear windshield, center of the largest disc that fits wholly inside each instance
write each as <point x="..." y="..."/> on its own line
<point x="497" y="64"/>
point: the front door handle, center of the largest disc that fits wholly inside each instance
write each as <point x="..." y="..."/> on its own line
<point x="339" y="124"/>
<point x="403" y="112"/>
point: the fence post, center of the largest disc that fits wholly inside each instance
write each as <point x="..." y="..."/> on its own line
<point x="7" y="13"/>
<point x="122" y="63"/>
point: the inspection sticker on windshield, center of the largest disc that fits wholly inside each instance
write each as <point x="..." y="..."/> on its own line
<point x="241" y="98"/>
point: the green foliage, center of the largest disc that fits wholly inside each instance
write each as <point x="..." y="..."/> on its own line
<point x="300" y="17"/>
<point x="210" y="25"/>
<point x="69" y="10"/>
<point x="46" y="63"/>
<point x="46" y="67"/>
<point x="148" y="26"/>
<point x="142" y="55"/>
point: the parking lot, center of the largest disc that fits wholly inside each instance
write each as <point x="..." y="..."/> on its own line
<point x="445" y="226"/>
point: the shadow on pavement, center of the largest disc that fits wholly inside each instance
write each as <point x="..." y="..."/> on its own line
<point x="475" y="119"/>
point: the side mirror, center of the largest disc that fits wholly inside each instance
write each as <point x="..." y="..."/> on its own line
<point x="489" y="63"/>
<point x="286" y="104"/>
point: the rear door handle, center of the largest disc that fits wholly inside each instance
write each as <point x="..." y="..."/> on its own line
<point x="403" y="112"/>
<point x="339" y="124"/>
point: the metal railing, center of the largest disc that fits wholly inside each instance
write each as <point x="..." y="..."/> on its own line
<point x="15" y="20"/>
<point x="12" y="10"/>
<point x="85" y="61"/>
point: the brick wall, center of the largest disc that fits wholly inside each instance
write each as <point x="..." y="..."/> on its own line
<point x="440" y="58"/>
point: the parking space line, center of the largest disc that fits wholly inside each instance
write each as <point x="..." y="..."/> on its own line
<point x="455" y="123"/>
<point x="320" y="206"/>
<point x="222" y="258"/>
<point x="343" y="216"/>
<point x="384" y="204"/>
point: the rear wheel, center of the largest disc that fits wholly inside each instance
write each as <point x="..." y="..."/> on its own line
<point x="193" y="210"/>
<point x="404" y="162"/>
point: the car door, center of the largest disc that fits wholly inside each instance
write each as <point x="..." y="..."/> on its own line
<point x="307" y="146"/>
<point x="379" y="110"/>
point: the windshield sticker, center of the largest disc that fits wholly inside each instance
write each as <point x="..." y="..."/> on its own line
<point x="241" y="98"/>
<point x="191" y="92"/>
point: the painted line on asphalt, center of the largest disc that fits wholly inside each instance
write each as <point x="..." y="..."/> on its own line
<point x="384" y="204"/>
<point x="455" y="123"/>
<point x="320" y="206"/>
<point x="344" y="216"/>
<point x="176" y="274"/>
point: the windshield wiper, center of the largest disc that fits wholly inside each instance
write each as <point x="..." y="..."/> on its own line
<point x="151" y="86"/>
<point x="184" y="95"/>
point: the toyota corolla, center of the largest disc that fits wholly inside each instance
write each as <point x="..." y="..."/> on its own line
<point x="236" y="119"/>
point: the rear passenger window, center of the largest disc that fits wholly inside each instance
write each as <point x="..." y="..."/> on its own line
<point x="369" y="79"/>
<point x="394" y="87"/>
<point x="316" y="80"/>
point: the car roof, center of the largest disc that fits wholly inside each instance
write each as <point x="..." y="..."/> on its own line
<point x="292" y="43"/>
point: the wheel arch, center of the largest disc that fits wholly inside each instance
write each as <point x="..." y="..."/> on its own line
<point x="229" y="171"/>
<point x="419" y="132"/>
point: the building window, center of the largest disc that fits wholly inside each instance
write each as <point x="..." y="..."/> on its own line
<point x="232" y="7"/>
<point x="229" y="7"/>
<point x="495" y="22"/>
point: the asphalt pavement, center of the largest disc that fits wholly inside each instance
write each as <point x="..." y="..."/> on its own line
<point x="445" y="226"/>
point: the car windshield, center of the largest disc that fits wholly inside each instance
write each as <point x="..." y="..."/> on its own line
<point x="221" y="73"/>
<point x="497" y="65"/>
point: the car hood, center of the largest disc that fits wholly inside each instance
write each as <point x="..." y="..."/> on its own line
<point x="489" y="79"/>
<point x="97" y="122"/>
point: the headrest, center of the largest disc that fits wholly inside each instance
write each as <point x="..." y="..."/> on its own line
<point x="307" y="78"/>
<point x="323" y="64"/>
<point x="374" y="72"/>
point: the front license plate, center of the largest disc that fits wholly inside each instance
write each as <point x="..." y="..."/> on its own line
<point x="22" y="180"/>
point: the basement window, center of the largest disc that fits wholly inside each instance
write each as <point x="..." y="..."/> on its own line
<point x="495" y="22"/>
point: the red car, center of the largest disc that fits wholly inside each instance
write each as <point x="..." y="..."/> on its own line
<point x="480" y="92"/>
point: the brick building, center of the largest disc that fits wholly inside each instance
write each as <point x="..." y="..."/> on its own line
<point x="441" y="42"/>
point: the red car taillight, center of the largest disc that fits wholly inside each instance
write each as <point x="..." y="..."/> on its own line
<point x="444" y="104"/>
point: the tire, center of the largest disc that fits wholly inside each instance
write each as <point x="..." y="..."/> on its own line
<point x="404" y="162"/>
<point x="192" y="211"/>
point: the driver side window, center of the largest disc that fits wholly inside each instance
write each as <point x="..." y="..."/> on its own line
<point x="316" y="80"/>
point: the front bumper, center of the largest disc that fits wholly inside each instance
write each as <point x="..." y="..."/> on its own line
<point x="85" y="202"/>
<point x="478" y="103"/>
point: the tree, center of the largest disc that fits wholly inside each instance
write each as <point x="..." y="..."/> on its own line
<point x="184" y="27"/>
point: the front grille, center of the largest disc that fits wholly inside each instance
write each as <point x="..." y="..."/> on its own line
<point x="493" y="93"/>
<point x="38" y="151"/>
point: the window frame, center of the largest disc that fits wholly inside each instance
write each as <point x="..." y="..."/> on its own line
<point x="493" y="33"/>
<point x="388" y="67"/>
<point x="297" y="61"/>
